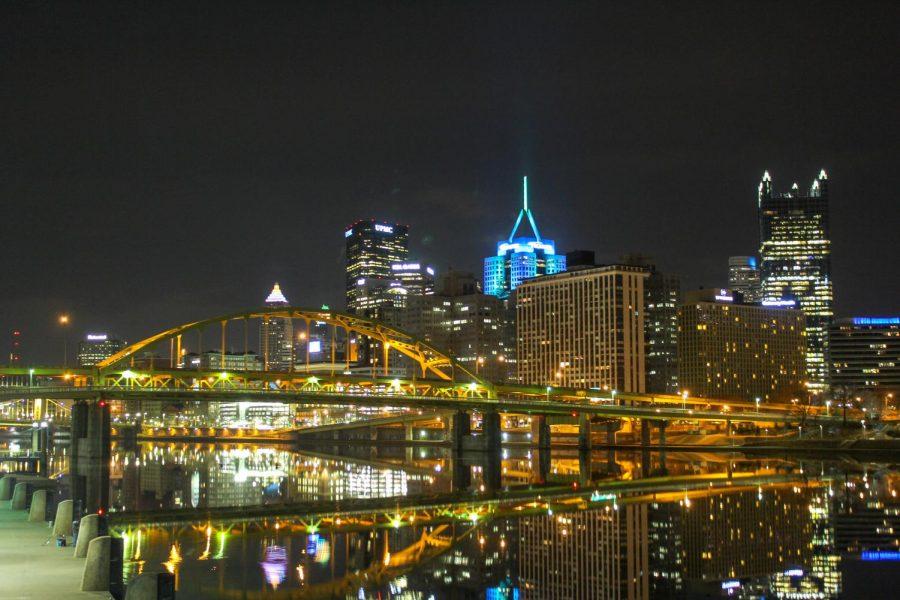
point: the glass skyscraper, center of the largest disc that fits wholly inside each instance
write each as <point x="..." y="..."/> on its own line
<point x="795" y="247"/>
<point x="372" y="248"/>
<point x="520" y="258"/>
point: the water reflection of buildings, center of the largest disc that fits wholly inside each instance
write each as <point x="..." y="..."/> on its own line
<point x="168" y="477"/>
<point x="684" y="548"/>
<point x="599" y="554"/>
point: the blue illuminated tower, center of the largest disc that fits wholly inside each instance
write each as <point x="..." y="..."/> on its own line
<point x="520" y="258"/>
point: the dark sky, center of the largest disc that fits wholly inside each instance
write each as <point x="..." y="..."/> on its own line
<point x="163" y="162"/>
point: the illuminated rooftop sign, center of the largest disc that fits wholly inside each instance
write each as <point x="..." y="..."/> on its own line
<point x="888" y="555"/>
<point x="406" y="266"/>
<point x="348" y="233"/>
<point x="876" y="321"/>
<point x="724" y="296"/>
<point x="780" y="303"/>
<point x="384" y="228"/>
<point x="97" y="337"/>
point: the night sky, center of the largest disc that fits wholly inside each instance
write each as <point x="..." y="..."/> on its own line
<point x="161" y="163"/>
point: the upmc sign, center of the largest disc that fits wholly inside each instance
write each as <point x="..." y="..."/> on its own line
<point x="384" y="228"/>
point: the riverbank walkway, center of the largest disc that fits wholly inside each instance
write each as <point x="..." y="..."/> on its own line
<point x="31" y="569"/>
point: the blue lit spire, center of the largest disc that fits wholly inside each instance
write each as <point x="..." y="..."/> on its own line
<point x="525" y="211"/>
<point x="520" y="258"/>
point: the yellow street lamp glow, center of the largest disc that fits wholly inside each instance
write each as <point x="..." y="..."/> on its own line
<point x="223" y="375"/>
<point x="129" y="374"/>
<point x="63" y="319"/>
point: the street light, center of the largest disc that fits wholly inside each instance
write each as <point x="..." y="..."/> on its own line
<point x="757" y="404"/>
<point x="684" y="397"/>
<point x="828" y="407"/>
<point x="30" y="377"/>
<point x="63" y="321"/>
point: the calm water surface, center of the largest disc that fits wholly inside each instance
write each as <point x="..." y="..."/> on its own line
<point x="392" y="522"/>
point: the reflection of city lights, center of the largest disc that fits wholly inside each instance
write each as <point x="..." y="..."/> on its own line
<point x="275" y="565"/>
<point x="171" y="565"/>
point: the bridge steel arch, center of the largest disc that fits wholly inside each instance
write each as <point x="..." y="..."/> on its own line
<point x="429" y="359"/>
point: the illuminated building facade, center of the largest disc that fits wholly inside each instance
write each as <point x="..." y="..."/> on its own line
<point x="864" y="353"/>
<point x="96" y="347"/>
<point x="520" y="258"/>
<point x="795" y="247"/>
<point x="414" y="277"/>
<point x="213" y="360"/>
<point x="583" y="328"/>
<point x="662" y="297"/>
<point x="372" y="247"/>
<point x="276" y="336"/>
<point x="462" y="320"/>
<point x="743" y="277"/>
<point x="15" y="348"/>
<point x="727" y="349"/>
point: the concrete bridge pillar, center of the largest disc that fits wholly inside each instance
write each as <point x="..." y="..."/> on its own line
<point x="612" y="426"/>
<point x="645" y="433"/>
<point x="490" y="430"/>
<point x="584" y="432"/>
<point x="409" y="435"/>
<point x="540" y="465"/>
<point x="460" y="428"/>
<point x="540" y="432"/>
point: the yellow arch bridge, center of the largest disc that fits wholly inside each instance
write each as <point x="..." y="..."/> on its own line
<point x="400" y="370"/>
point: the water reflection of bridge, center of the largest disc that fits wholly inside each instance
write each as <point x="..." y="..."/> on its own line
<point x="384" y="539"/>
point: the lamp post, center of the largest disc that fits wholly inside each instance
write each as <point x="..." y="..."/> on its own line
<point x="63" y="322"/>
<point x="757" y="404"/>
<point x="684" y="397"/>
<point x="30" y="377"/>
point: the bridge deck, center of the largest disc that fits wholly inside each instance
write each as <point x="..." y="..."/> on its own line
<point x="527" y="405"/>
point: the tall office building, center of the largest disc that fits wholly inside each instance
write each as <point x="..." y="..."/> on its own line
<point x="795" y="247"/>
<point x="372" y="247"/>
<point x="463" y="321"/>
<point x="276" y="336"/>
<point x="416" y="278"/>
<point x="520" y="258"/>
<point x="727" y="349"/>
<point x="864" y="353"/>
<point x="96" y="347"/>
<point x="15" y="348"/>
<point x="662" y="297"/>
<point x="743" y="277"/>
<point x="583" y="328"/>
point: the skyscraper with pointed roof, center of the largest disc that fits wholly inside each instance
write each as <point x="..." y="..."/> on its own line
<point x="795" y="248"/>
<point x="521" y="258"/>
<point x="276" y="336"/>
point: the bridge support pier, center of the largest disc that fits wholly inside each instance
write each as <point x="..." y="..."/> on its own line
<point x="460" y="428"/>
<point x="645" y="433"/>
<point x="584" y="432"/>
<point x="90" y="456"/>
<point x="540" y="432"/>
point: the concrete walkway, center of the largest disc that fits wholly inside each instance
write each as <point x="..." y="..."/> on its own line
<point x="31" y="570"/>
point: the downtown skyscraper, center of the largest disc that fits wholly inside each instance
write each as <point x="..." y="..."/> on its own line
<point x="521" y="258"/>
<point x="276" y="336"/>
<point x="372" y="248"/>
<point x="795" y="248"/>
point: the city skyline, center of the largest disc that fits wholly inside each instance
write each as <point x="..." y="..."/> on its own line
<point x="613" y="168"/>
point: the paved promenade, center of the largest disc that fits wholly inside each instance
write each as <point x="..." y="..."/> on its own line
<point x="31" y="570"/>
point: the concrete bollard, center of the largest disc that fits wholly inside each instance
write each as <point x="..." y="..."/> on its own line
<point x="19" y="497"/>
<point x="38" y="511"/>
<point x="87" y="531"/>
<point x="6" y="487"/>
<point x="62" y="524"/>
<point x="147" y="586"/>
<point x="95" y="577"/>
